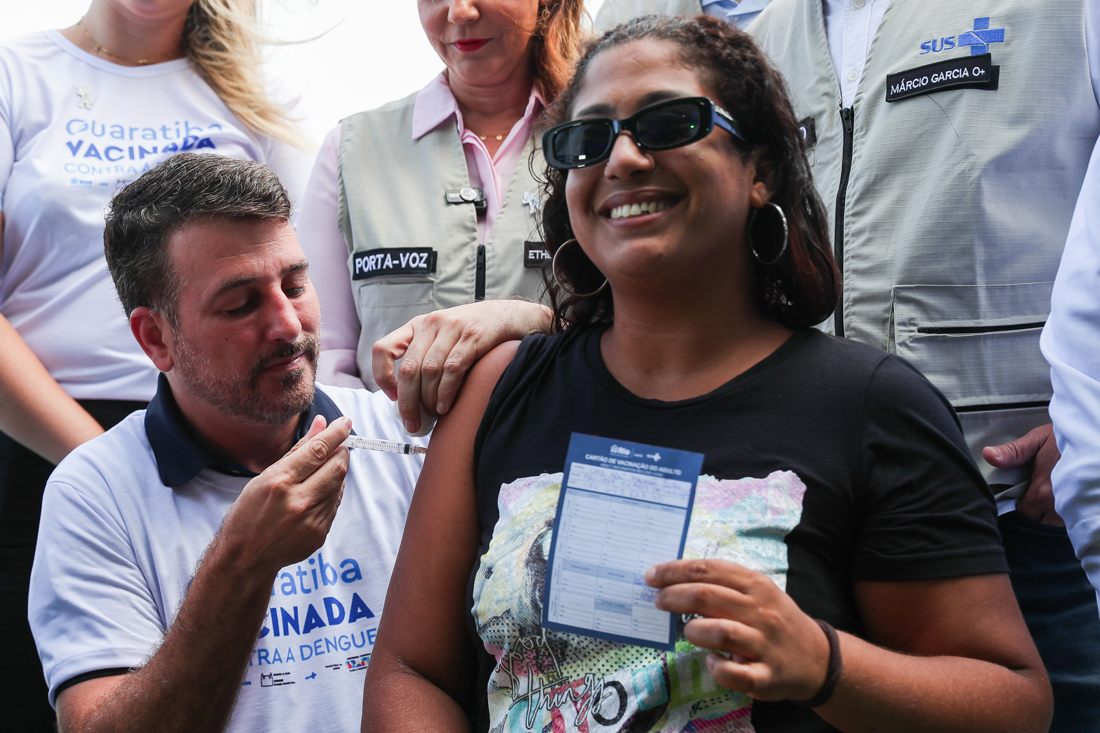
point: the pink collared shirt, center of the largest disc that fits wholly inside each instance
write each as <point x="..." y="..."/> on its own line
<point x="435" y="105"/>
<point x="324" y="246"/>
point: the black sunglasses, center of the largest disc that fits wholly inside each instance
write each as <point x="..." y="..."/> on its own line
<point x="662" y="126"/>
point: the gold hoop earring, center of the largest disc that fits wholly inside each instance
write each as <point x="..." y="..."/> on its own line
<point x="554" y="271"/>
<point x="783" y="225"/>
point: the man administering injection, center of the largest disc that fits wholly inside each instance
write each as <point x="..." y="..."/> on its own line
<point x="191" y="573"/>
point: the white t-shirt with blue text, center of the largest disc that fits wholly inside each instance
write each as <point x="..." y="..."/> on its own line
<point x="117" y="550"/>
<point x="74" y="128"/>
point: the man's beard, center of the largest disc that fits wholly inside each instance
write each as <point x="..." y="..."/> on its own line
<point x="238" y="394"/>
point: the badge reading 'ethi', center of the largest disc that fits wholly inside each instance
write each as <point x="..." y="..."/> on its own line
<point x="535" y="254"/>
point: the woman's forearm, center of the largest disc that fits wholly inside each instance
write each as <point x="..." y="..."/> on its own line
<point x="884" y="690"/>
<point x="34" y="409"/>
<point x="964" y="661"/>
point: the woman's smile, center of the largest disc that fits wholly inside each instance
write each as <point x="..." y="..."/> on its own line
<point x="639" y="207"/>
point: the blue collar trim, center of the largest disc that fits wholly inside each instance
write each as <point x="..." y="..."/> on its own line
<point x="180" y="455"/>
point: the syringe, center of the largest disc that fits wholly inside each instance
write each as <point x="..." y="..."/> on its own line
<point x="387" y="446"/>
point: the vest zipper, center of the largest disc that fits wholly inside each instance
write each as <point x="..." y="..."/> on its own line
<point x="479" y="278"/>
<point x="846" y="116"/>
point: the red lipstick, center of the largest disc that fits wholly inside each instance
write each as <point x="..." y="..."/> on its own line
<point x="470" y="44"/>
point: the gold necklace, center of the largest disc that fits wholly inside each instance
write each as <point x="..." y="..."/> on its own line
<point x="104" y="50"/>
<point x="484" y="138"/>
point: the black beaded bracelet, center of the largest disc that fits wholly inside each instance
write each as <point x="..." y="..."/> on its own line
<point x="832" y="673"/>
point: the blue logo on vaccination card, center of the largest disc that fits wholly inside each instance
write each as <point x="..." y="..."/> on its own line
<point x="623" y="508"/>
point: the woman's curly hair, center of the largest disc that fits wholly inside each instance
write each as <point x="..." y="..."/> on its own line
<point x="799" y="290"/>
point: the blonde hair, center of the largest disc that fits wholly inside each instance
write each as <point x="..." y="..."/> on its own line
<point x="557" y="40"/>
<point x="223" y="41"/>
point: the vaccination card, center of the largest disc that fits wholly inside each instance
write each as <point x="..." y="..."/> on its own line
<point x="623" y="508"/>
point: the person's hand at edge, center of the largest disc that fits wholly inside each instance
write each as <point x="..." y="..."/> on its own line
<point x="1038" y="446"/>
<point x="438" y="349"/>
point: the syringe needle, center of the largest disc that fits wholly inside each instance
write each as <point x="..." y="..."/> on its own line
<point x="387" y="446"/>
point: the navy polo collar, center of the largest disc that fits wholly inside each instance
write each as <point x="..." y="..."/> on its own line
<point x="181" y="456"/>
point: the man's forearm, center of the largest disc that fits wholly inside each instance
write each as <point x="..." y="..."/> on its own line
<point x="192" y="680"/>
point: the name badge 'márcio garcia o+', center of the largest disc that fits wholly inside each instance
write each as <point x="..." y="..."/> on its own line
<point x="968" y="72"/>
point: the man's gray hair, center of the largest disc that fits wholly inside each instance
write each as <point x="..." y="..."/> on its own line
<point x="182" y="189"/>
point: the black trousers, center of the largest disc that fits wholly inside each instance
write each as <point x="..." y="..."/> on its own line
<point x="1059" y="606"/>
<point x="23" y="476"/>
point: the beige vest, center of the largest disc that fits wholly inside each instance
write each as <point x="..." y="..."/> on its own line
<point x="409" y="250"/>
<point x="958" y="201"/>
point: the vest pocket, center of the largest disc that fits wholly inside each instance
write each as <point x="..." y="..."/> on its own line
<point x="385" y="305"/>
<point x="979" y="345"/>
<point x="394" y="291"/>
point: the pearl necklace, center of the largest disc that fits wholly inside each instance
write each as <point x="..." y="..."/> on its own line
<point x="104" y="50"/>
